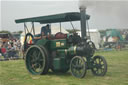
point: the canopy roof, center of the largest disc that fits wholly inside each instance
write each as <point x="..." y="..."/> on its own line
<point x="63" y="17"/>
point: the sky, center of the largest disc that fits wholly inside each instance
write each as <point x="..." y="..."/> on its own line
<point x="113" y="14"/>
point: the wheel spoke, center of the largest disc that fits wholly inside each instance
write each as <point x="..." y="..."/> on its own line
<point x="34" y="67"/>
<point x="39" y="54"/>
<point x="100" y="60"/>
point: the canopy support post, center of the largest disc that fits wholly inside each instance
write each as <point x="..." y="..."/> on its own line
<point x="33" y="28"/>
<point x="25" y="27"/>
<point x="72" y="25"/>
<point x="60" y="26"/>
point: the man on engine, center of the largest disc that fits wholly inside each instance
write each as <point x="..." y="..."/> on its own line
<point x="45" y="31"/>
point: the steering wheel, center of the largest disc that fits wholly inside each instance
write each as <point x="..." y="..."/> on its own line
<point x="26" y="44"/>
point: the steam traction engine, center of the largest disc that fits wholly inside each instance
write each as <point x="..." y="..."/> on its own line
<point x="63" y="51"/>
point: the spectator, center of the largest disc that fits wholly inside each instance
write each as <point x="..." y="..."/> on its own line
<point x="11" y="51"/>
<point x="3" y="51"/>
<point x="19" y="44"/>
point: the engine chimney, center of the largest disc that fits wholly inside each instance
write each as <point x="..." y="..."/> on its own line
<point x="83" y="22"/>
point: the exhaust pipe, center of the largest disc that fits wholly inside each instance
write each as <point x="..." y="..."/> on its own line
<point x="83" y="22"/>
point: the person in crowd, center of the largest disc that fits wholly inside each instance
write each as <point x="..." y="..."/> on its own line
<point x="3" y="50"/>
<point x="10" y="54"/>
<point x="12" y="49"/>
<point x="11" y="42"/>
<point x="19" y="44"/>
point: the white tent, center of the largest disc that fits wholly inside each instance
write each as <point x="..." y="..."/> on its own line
<point x="54" y="30"/>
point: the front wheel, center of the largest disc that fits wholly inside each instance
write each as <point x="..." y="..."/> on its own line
<point x="99" y="66"/>
<point x="78" y="67"/>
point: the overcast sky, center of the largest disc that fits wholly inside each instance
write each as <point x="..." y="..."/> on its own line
<point x="112" y="14"/>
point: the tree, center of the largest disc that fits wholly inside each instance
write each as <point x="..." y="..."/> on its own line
<point x="5" y="31"/>
<point x="19" y="32"/>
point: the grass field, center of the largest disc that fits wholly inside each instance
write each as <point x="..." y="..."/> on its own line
<point x="14" y="73"/>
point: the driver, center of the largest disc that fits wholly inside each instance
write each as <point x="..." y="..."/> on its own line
<point x="45" y="31"/>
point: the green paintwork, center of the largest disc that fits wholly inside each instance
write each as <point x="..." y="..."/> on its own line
<point x="63" y="17"/>
<point x="42" y="42"/>
<point x="60" y="63"/>
<point x="58" y="44"/>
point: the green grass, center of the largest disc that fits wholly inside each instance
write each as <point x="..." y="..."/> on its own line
<point x="14" y="73"/>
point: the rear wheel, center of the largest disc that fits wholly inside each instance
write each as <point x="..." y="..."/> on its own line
<point x="37" y="60"/>
<point x="78" y="67"/>
<point x="99" y="66"/>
